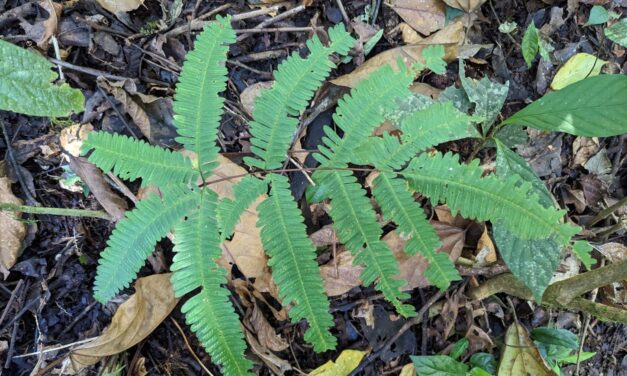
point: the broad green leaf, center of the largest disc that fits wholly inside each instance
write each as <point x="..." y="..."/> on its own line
<point x="511" y="136"/>
<point x="521" y="357"/>
<point x="531" y="261"/>
<point x="457" y="96"/>
<point x="617" y="33"/>
<point x="438" y="365"/>
<point x="572" y="359"/>
<point x="598" y="16"/>
<point x="484" y="361"/>
<point x="593" y="107"/>
<point x="577" y="68"/>
<point x="530" y="44"/>
<point x="459" y="348"/>
<point x="26" y="86"/>
<point x="582" y="250"/>
<point x="554" y="336"/>
<point x="434" y="58"/>
<point x="488" y="96"/>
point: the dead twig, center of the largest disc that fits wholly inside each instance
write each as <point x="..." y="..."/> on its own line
<point x="273" y="20"/>
<point x="89" y="71"/>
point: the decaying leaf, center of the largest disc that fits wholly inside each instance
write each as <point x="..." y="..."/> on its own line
<point x="71" y="138"/>
<point x="342" y="275"/>
<point x="614" y="252"/>
<point x="578" y="67"/>
<point x="134" y="320"/>
<point x="424" y="16"/>
<point x="408" y="370"/>
<point x="465" y="5"/>
<point x="118" y="6"/>
<point x="41" y="31"/>
<point x="343" y="365"/>
<point x="266" y="334"/>
<point x="450" y="37"/>
<point x="583" y="149"/>
<point x="250" y="94"/>
<point x="12" y="229"/>
<point x="520" y="356"/>
<point x="278" y="366"/>
<point x="486" y="252"/>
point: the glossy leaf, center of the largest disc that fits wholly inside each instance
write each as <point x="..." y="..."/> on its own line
<point x="437" y="365"/>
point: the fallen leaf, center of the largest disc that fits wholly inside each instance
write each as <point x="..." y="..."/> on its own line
<point x="409" y="35"/>
<point x="408" y="370"/>
<point x="250" y="94"/>
<point x="134" y="320"/>
<point x="451" y="37"/>
<point x="118" y="6"/>
<point x="583" y="149"/>
<point x="520" y="356"/>
<point x="486" y="252"/>
<point x="265" y="332"/>
<point x="365" y="311"/>
<point x="12" y="229"/>
<point x="41" y="31"/>
<point x="424" y="16"/>
<point x="342" y="275"/>
<point x="465" y="5"/>
<point x="92" y="176"/>
<point x="617" y="33"/>
<point x="578" y="67"/>
<point x="278" y="366"/>
<point x="614" y="252"/>
<point x="343" y="365"/>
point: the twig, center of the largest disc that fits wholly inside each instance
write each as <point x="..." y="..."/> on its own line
<point x="190" y="347"/>
<point x="343" y="11"/>
<point x="16" y="167"/>
<point x="274" y="19"/>
<point x="264" y="55"/>
<point x="89" y="71"/>
<point x="11" y="299"/>
<point x="262" y="74"/>
<point x="55" y="211"/>
<point x="57" y="53"/>
<point x="607" y="211"/>
<point x="303" y="171"/>
<point x="279" y="29"/>
<point x="55" y="348"/>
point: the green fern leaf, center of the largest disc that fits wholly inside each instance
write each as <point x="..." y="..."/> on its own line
<point x="360" y="112"/>
<point x="399" y="206"/>
<point x="442" y="178"/>
<point x="355" y="223"/>
<point x="293" y="263"/>
<point x="209" y="312"/>
<point x="135" y="236"/>
<point x="130" y="159"/>
<point x="197" y="104"/>
<point x="276" y="110"/>
<point x="230" y="210"/>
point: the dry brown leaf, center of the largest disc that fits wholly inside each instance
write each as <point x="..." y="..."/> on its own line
<point x="614" y="252"/>
<point x="92" y="176"/>
<point x="340" y="278"/>
<point x="521" y="356"/>
<point x="266" y="334"/>
<point x="139" y="368"/>
<point x="118" y="6"/>
<point x="465" y="5"/>
<point x="486" y="252"/>
<point x="451" y="37"/>
<point x="583" y="149"/>
<point x="134" y="320"/>
<point x="408" y="370"/>
<point x="41" y="31"/>
<point x="277" y="365"/>
<point x="12" y="230"/>
<point x="409" y="35"/>
<point x="424" y="16"/>
<point x="72" y="137"/>
<point x="250" y="94"/>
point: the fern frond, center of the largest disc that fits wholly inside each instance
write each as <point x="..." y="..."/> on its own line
<point x="293" y="263"/>
<point x="135" y="236"/>
<point x="442" y="178"/>
<point x="355" y="223"/>
<point x="130" y="159"/>
<point x="399" y="206"/>
<point x="209" y="312"/>
<point x="197" y="103"/>
<point x="361" y="111"/>
<point x="230" y="210"/>
<point x="296" y="80"/>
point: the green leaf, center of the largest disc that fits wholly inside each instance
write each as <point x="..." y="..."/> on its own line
<point x="229" y="211"/>
<point x="593" y="107"/>
<point x="197" y="103"/>
<point x="558" y="337"/>
<point x="434" y="58"/>
<point x="131" y="159"/>
<point x="572" y="359"/>
<point x="370" y="43"/>
<point x="26" y="85"/>
<point x="476" y="371"/>
<point x="461" y="186"/>
<point x="438" y="365"/>
<point x="511" y="136"/>
<point x="531" y="261"/>
<point x="617" y="33"/>
<point x="530" y="44"/>
<point x="293" y="263"/>
<point x="459" y="348"/>
<point x="488" y="96"/>
<point x="457" y="96"/>
<point x="598" y="15"/>
<point x="484" y="361"/>
<point x="135" y="236"/>
<point x="582" y="249"/>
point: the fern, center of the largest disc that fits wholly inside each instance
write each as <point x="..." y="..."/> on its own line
<point x="462" y="187"/>
<point x="197" y="105"/>
<point x="135" y="236"/>
<point x="399" y="206"/>
<point x="131" y="159"/>
<point x="197" y="247"/>
<point x="229" y="211"/>
<point x="293" y="263"/>
<point x="296" y="81"/>
<point x="356" y="226"/>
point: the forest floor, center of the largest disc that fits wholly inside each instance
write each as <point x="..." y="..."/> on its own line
<point x="127" y="65"/>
